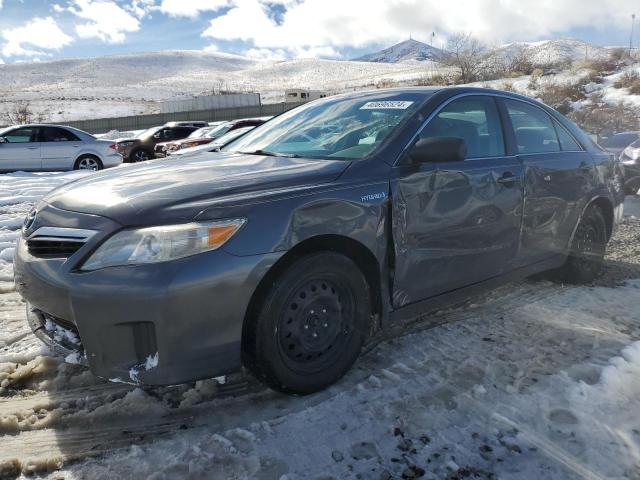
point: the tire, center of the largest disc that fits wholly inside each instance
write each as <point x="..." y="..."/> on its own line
<point x="88" y="162"/>
<point x="587" y="249"/>
<point x="632" y="187"/>
<point x="140" y="155"/>
<point x="310" y="326"/>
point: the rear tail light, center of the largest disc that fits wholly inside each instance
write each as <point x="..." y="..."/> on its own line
<point x="113" y="146"/>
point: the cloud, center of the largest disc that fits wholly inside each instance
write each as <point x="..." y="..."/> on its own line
<point x="106" y="20"/>
<point x="33" y="37"/>
<point x="141" y="8"/>
<point x="310" y="24"/>
<point x="190" y="8"/>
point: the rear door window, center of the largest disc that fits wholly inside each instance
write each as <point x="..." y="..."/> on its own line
<point x="54" y="134"/>
<point x="533" y="128"/>
<point x="567" y="142"/>
<point x="474" y="119"/>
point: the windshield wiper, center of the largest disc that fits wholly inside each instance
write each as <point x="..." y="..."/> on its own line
<point x="266" y="153"/>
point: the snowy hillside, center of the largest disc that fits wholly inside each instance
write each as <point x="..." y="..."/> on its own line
<point x="549" y="52"/>
<point x="407" y="51"/>
<point x="133" y="84"/>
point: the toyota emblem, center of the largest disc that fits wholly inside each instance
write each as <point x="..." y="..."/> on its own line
<point x="29" y="220"/>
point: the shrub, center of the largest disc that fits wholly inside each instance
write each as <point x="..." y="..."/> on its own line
<point x="630" y="80"/>
<point x="603" y="119"/>
<point x="559" y="95"/>
<point x="508" y="87"/>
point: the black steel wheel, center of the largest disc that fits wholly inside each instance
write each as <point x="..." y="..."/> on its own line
<point x="587" y="249"/>
<point x="140" y="155"/>
<point x="311" y="326"/>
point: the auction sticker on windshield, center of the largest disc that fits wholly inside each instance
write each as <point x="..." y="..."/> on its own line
<point x="389" y="105"/>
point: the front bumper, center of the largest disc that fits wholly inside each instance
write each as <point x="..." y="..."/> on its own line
<point x="187" y="314"/>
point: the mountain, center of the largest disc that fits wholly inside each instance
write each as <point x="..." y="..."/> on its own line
<point x="549" y="52"/>
<point x="409" y="50"/>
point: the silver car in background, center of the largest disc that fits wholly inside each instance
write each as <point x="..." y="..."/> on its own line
<point x="54" y="147"/>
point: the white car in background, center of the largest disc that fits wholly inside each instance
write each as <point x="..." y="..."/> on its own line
<point x="54" y="147"/>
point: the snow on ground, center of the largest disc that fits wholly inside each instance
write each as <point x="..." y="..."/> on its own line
<point x="18" y="192"/>
<point x="533" y="380"/>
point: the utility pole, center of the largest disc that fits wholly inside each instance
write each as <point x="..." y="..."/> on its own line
<point x="633" y="22"/>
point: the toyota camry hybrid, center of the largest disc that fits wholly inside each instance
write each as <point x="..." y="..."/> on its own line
<point x="309" y="237"/>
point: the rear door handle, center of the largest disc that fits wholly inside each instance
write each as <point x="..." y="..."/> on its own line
<point x="508" y="179"/>
<point x="32" y="148"/>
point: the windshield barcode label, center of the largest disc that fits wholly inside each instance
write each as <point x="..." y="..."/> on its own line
<point x="388" y="105"/>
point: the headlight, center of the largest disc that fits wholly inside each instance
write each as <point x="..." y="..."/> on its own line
<point x="124" y="144"/>
<point x="161" y="244"/>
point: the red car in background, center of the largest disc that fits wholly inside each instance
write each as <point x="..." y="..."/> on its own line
<point x="206" y="135"/>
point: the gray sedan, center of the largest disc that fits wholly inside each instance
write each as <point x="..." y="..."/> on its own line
<point x="53" y="147"/>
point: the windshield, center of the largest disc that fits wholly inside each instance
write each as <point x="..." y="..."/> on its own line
<point x="201" y="132"/>
<point x="340" y="128"/>
<point x="148" y="133"/>
<point x="232" y="135"/>
<point x="219" y="130"/>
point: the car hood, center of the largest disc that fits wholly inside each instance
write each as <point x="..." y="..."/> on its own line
<point x="193" y="150"/>
<point x="200" y="140"/>
<point x="163" y="191"/>
<point x="132" y="139"/>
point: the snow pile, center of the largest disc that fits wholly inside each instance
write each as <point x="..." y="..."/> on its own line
<point x="18" y="193"/>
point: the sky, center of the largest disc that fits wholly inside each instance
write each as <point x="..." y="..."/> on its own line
<point x="282" y="29"/>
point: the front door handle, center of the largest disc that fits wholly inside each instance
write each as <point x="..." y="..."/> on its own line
<point x="508" y="179"/>
<point x="32" y="148"/>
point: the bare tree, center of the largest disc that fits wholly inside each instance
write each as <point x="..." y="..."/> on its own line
<point x="468" y="56"/>
<point x="21" y="113"/>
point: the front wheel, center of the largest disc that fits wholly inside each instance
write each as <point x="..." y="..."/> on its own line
<point x="587" y="249"/>
<point x="311" y="325"/>
<point x="140" y="156"/>
<point x="88" y="162"/>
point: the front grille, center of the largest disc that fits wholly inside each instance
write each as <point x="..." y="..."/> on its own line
<point x="53" y="248"/>
<point x="57" y="242"/>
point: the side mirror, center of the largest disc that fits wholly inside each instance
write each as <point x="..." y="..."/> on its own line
<point x="438" y="149"/>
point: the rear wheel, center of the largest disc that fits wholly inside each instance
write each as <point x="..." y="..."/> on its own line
<point x="88" y="162"/>
<point x="587" y="249"/>
<point x="311" y="325"/>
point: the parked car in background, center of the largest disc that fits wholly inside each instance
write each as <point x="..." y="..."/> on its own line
<point x="215" y="146"/>
<point x="214" y="134"/>
<point x="618" y="142"/>
<point x="162" y="148"/>
<point x="141" y="148"/>
<point x="54" y="147"/>
<point x="630" y="158"/>
<point x="187" y="123"/>
<point x="312" y="234"/>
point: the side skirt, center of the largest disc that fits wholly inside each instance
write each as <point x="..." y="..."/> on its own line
<point x="415" y="310"/>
